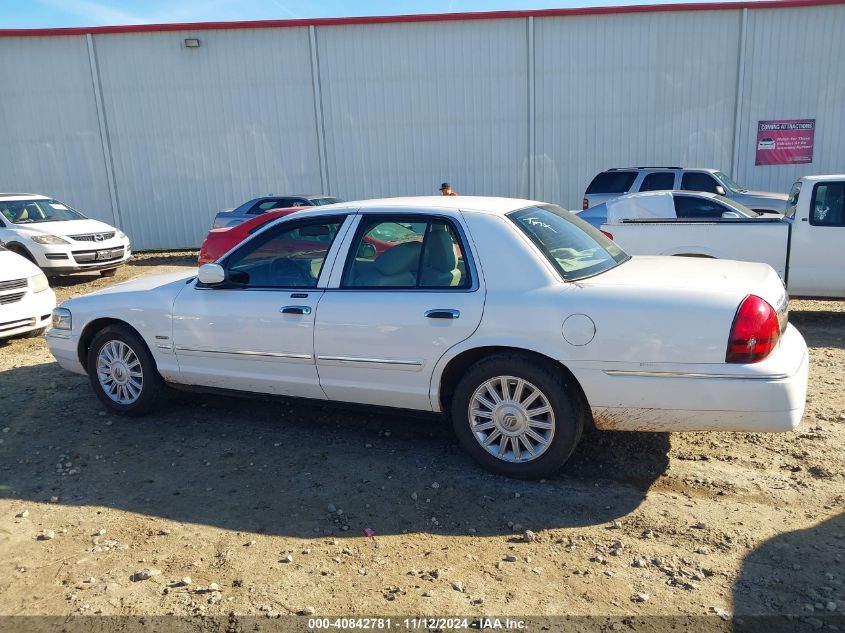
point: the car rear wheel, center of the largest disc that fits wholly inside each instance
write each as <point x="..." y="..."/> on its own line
<point x="516" y="417"/>
<point x="123" y="373"/>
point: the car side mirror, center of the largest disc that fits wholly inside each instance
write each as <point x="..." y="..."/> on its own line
<point x="731" y="214"/>
<point x="211" y="274"/>
<point x="720" y="190"/>
<point x="366" y="251"/>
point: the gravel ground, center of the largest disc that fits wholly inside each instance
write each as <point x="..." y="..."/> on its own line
<point x="266" y="508"/>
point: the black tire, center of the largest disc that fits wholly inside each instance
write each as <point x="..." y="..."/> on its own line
<point x="568" y="421"/>
<point x="35" y="333"/>
<point x="153" y="390"/>
<point x="111" y="272"/>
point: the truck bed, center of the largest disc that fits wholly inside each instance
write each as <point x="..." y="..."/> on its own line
<point x="744" y="239"/>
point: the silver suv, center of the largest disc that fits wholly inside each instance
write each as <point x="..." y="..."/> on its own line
<point x="621" y="180"/>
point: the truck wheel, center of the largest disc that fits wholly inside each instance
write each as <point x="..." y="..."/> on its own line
<point x="516" y="417"/>
<point x="123" y="373"/>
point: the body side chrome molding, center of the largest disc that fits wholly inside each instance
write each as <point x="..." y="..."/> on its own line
<point x="374" y="361"/>
<point x="185" y="348"/>
<point x="678" y="374"/>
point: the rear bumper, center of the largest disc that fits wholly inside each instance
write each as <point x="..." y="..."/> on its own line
<point x="766" y="397"/>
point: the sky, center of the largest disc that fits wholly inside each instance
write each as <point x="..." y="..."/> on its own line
<point x="31" y="14"/>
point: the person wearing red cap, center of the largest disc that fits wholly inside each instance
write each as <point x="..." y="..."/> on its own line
<point x="446" y="189"/>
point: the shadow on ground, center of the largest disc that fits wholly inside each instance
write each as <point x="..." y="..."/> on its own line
<point x="821" y="328"/>
<point x="791" y="572"/>
<point x="274" y="466"/>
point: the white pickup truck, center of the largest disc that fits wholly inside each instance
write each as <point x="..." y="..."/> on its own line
<point x="806" y="247"/>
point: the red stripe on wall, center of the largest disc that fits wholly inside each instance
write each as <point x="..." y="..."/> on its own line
<point x="434" y="17"/>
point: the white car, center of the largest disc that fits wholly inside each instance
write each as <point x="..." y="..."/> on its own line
<point x="58" y="239"/>
<point x="26" y="300"/>
<point x="516" y="319"/>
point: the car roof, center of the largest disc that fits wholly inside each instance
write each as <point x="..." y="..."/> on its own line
<point x="23" y="196"/>
<point x="483" y="204"/>
<point x="817" y="178"/>
<point x="707" y="169"/>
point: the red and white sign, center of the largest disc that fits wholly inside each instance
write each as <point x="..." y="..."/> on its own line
<point x="785" y="142"/>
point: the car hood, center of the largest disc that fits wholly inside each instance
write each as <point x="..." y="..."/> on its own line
<point x="766" y="195"/>
<point x="67" y="227"/>
<point x="13" y="266"/>
<point x="700" y="276"/>
<point x="150" y="282"/>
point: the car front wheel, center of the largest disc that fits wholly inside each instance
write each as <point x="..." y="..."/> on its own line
<point x="123" y="373"/>
<point x="516" y="417"/>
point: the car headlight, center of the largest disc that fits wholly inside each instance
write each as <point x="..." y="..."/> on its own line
<point x="48" y="239"/>
<point x="39" y="283"/>
<point x="121" y="234"/>
<point x="62" y="319"/>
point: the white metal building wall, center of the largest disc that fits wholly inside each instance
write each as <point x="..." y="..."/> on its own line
<point x="196" y="130"/>
<point x="137" y="130"/>
<point x="622" y="90"/>
<point x="49" y="133"/>
<point x="407" y="106"/>
<point x="794" y="69"/>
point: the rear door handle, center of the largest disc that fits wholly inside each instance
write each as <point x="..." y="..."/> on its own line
<point x="296" y="310"/>
<point x="442" y="314"/>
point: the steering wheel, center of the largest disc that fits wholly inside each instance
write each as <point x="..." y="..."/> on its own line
<point x="284" y="270"/>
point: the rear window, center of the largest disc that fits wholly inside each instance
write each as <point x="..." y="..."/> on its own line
<point x="612" y="182"/>
<point x="827" y="208"/>
<point x="572" y="246"/>
<point x="658" y="181"/>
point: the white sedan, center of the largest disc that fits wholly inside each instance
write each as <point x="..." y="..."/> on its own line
<point x="26" y="300"/>
<point x="512" y="317"/>
<point x="58" y="239"/>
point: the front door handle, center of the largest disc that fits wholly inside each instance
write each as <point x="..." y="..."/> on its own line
<point x="442" y="314"/>
<point x="296" y="310"/>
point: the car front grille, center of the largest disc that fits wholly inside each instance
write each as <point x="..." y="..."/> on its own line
<point x="12" y="284"/>
<point x="12" y="298"/>
<point x="14" y="325"/>
<point x="92" y="237"/>
<point x="98" y="257"/>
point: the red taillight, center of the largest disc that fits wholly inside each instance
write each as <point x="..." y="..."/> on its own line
<point x="755" y="331"/>
<point x="585" y="204"/>
<point x="606" y="234"/>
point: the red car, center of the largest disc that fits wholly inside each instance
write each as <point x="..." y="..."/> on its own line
<point x="218" y="242"/>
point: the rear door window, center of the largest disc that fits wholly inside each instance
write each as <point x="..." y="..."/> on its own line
<point x="699" y="181"/>
<point x="827" y="207"/>
<point x="690" y="207"/>
<point x="612" y="182"/>
<point x="658" y="181"/>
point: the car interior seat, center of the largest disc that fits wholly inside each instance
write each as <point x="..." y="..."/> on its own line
<point x="440" y="263"/>
<point x="397" y="266"/>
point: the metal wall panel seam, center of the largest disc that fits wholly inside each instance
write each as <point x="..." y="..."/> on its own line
<point x="740" y="81"/>
<point x="531" y="115"/>
<point x="318" y="109"/>
<point x="104" y="130"/>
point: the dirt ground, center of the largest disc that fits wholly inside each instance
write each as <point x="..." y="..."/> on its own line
<point x="263" y="508"/>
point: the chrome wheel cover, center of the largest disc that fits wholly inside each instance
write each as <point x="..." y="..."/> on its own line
<point x="511" y="419"/>
<point x="119" y="372"/>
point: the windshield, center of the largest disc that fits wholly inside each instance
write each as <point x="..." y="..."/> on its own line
<point x="574" y="247"/>
<point x="730" y="184"/>
<point x="319" y="202"/>
<point x="35" y="211"/>
<point x="792" y="202"/>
